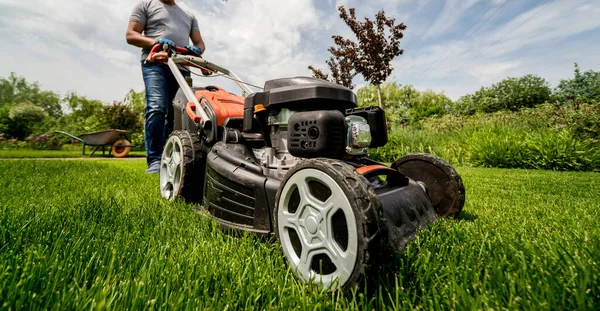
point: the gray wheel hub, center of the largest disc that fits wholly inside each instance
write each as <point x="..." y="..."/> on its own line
<point x="171" y="168"/>
<point x="310" y="232"/>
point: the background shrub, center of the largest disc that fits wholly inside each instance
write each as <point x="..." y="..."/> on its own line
<point x="509" y="94"/>
<point x="120" y="116"/>
<point x="582" y="88"/>
<point x="553" y="137"/>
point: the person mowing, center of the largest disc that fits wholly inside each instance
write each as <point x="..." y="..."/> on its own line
<point x="161" y="22"/>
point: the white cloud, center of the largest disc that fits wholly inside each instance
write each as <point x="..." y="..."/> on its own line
<point x="341" y="2"/>
<point x="80" y="45"/>
<point x="553" y="22"/>
<point x="537" y="46"/>
<point x="491" y="72"/>
<point x="258" y="40"/>
<point x="452" y="11"/>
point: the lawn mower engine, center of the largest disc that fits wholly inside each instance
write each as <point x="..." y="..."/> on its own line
<point x="292" y="160"/>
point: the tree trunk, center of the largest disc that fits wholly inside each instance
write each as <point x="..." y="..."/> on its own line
<point x="379" y="95"/>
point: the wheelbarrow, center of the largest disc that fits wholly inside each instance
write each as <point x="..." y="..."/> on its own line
<point x="116" y="139"/>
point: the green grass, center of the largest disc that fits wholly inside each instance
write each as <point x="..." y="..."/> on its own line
<point x="28" y="153"/>
<point x="97" y="235"/>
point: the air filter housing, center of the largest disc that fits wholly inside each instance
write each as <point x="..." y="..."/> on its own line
<point x="314" y="134"/>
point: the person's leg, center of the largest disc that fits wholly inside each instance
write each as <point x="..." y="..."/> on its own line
<point x="156" y="79"/>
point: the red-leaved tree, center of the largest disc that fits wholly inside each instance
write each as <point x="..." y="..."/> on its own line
<point x="377" y="44"/>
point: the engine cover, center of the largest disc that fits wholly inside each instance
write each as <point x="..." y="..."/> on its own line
<point x="314" y="134"/>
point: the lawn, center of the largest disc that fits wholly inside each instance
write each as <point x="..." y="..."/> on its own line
<point x="25" y="153"/>
<point x="97" y="235"/>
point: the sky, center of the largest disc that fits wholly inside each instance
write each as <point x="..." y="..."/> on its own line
<point x="450" y="46"/>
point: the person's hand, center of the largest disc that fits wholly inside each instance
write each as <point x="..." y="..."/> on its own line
<point x="164" y="41"/>
<point x="192" y="49"/>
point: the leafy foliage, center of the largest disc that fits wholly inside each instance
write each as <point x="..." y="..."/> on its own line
<point x="502" y="146"/>
<point x="136" y="101"/>
<point x="120" y="116"/>
<point x="15" y="90"/>
<point x="83" y="116"/>
<point x="377" y="44"/>
<point x="20" y="120"/>
<point x="340" y="68"/>
<point x="403" y="103"/>
<point x="375" y="48"/>
<point x="26" y="111"/>
<point x="582" y="88"/>
<point x="509" y="94"/>
<point x="545" y="137"/>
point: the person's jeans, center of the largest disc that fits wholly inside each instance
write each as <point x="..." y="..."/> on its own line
<point x="161" y="88"/>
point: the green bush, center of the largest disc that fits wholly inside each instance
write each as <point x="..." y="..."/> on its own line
<point x="15" y="89"/>
<point x="582" y="88"/>
<point x="21" y="120"/>
<point x="137" y="140"/>
<point x="583" y="119"/>
<point x="547" y="137"/>
<point x="400" y="142"/>
<point x="409" y="139"/>
<point x="120" y="116"/>
<point x="403" y="103"/>
<point x="509" y="94"/>
<point x="504" y="147"/>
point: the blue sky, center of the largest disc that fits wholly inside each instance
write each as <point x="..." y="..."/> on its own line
<point x="454" y="46"/>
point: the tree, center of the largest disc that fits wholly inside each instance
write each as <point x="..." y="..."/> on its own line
<point x="340" y="67"/>
<point x="120" y="116"/>
<point x="516" y="93"/>
<point x="84" y="116"/>
<point x="511" y="94"/>
<point x="136" y="100"/>
<point x="583" y="87"/>
<point x="431" y="104"/>
<point x="19" y="121"/>
<point x="15" y="90"/>
<point x="378" y="43"/>
<point x="404" y="103"/>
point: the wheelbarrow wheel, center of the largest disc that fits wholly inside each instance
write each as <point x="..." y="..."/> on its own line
<point x="182" y="167"/>
<point x="441" y="181"/>
<point x="329" y="223"/>
<point x="121" y="148"/>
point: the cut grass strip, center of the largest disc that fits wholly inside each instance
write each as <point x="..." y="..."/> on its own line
<point x="81" y="235"/>
<point x="23" y="154"/>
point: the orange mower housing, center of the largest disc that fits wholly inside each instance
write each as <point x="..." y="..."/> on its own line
<point x="224" y="104"/>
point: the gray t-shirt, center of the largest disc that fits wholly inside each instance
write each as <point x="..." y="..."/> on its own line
<point x="164" y="21"/>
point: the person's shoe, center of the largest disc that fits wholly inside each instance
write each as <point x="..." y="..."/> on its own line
<point x="153" y="167"/>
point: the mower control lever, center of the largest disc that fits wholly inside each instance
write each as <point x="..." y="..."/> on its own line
<point x="158" y="49"/>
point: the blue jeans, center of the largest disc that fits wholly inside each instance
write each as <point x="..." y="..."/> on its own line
<point x="161" y="88"/>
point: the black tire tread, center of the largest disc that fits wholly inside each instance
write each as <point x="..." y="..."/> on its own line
<point x="372" y="233"/>
<point x="459" y="198"/>
<point x="192" y="167"/>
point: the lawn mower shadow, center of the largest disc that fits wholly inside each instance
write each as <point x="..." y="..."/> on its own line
<point x="466" y="216"/>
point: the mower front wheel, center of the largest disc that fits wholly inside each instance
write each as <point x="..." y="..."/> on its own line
<point x="182" y="167"/>
<point x="329" y="223"/>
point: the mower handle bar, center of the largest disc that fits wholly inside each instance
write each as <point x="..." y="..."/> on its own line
<point x="157" y="47"/>
<point x="182" y="56"/>
<point x="178" y="56"/>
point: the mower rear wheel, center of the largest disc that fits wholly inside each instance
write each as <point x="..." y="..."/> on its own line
<point x="121" y="148"/>
<point x="182" y="167"/>
<point x="329" y="223"/>
<point x="441" y="181"/>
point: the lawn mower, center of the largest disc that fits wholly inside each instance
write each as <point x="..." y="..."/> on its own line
<point x="291" y="161"/>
